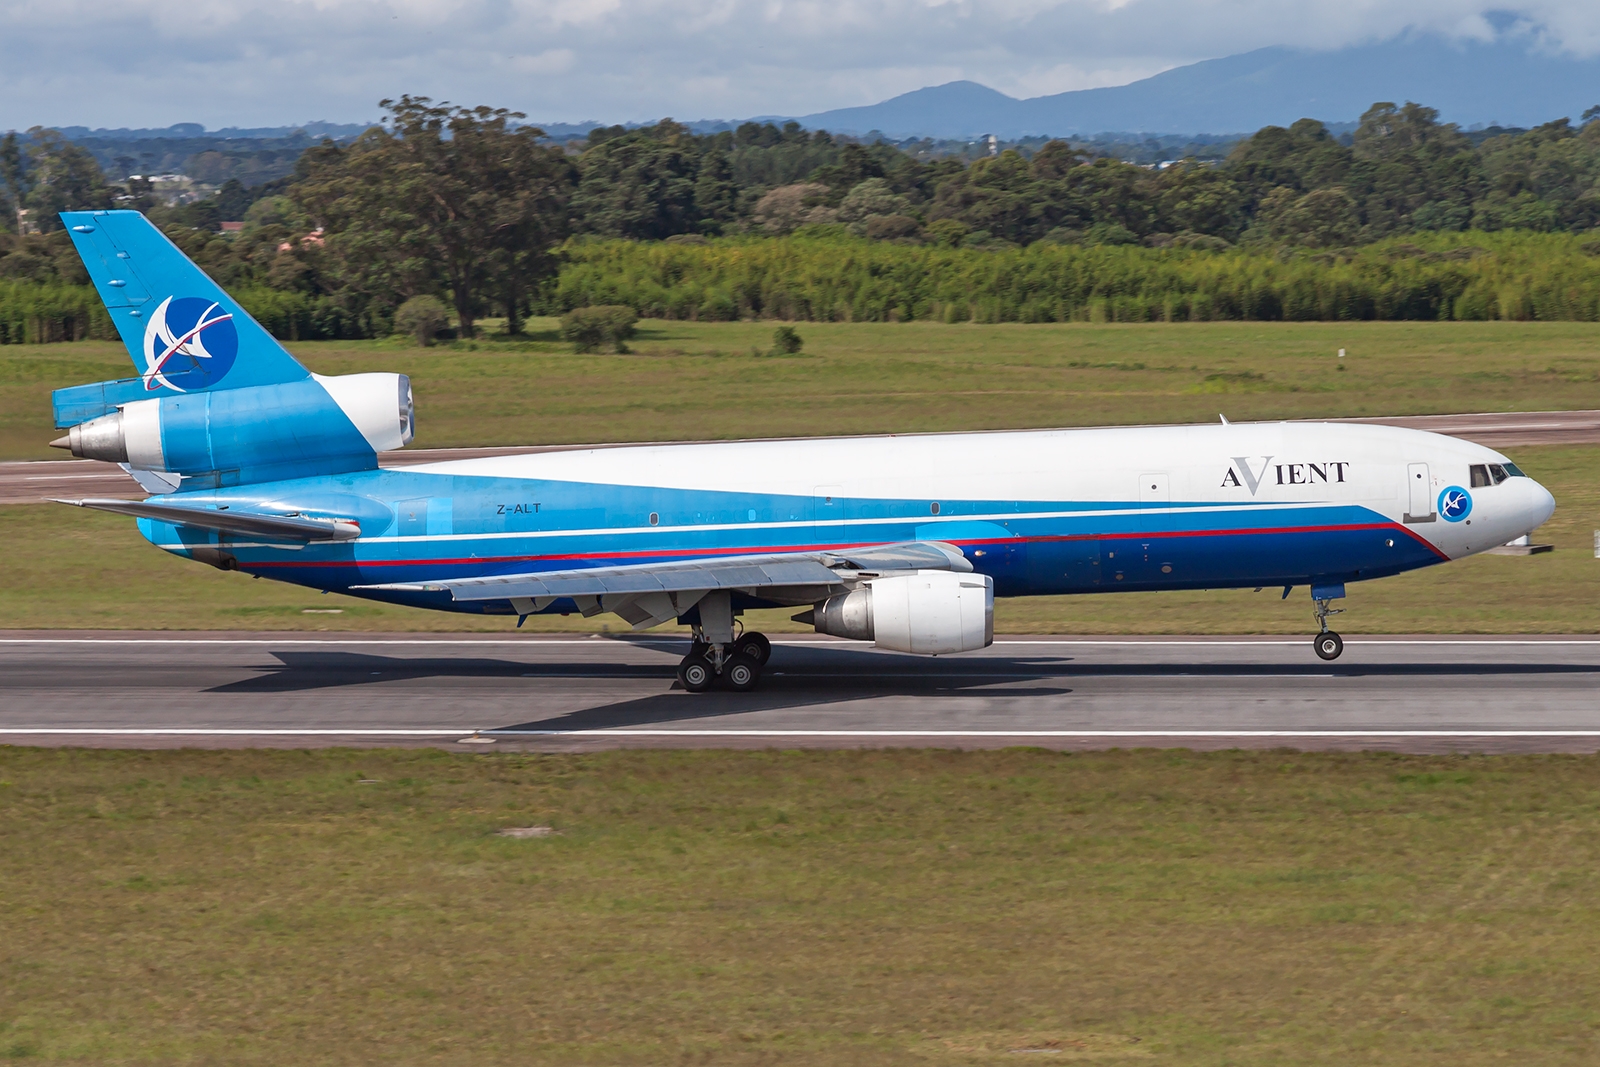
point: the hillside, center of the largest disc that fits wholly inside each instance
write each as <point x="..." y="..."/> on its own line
<point x="1500" y="83"/>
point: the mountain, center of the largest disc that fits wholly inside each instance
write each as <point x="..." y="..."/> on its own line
<point x="1503" y="82"/>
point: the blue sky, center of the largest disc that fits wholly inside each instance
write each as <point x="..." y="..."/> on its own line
<point x="274" y="62"/>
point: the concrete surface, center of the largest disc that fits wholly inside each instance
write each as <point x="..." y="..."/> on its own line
<point x="295" y="690"/>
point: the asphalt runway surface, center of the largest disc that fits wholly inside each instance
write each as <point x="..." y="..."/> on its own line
<point x="35" y="482"/>
<point x="1427" y="694"/>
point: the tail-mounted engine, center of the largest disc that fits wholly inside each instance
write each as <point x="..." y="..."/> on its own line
<point x="929" y="612"/>
<point x="227" y="436"/>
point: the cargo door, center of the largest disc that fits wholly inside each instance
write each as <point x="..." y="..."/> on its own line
<point x="1420" y="494"/>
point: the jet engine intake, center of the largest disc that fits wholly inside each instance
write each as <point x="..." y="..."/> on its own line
<point x="930" y="612"/>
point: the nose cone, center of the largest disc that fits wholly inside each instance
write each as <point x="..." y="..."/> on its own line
<point x="1541" y="506"/>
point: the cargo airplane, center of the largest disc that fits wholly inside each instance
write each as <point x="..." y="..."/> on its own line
<point x="255" y="464"/>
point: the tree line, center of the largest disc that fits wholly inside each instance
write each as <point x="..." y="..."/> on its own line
<point x="482" y="211"/>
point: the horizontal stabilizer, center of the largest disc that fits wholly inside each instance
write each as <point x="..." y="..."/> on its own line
<point x="782" y="569"/>
<point x="285" y="527"/>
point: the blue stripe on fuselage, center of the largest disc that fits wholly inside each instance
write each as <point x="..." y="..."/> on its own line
<point x="421" y="526"/>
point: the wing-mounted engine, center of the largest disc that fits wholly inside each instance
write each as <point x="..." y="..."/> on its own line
<point x="231" y="436"/>
<point x="929" y="612"/>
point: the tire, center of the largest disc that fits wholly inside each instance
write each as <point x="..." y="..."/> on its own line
<point x="1329" y="645"/>
<point x="740" y="673"/>
<point x="696" y="674"/>
<point x="756" y="646"/>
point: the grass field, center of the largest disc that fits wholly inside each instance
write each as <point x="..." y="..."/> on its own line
<point x="905" y="907"/>
<point x="690" y="381"/>
<point x="87" y="570"/>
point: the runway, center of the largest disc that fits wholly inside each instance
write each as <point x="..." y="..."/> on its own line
<point x="38" y="481"/>
<point x="574" y="693"/>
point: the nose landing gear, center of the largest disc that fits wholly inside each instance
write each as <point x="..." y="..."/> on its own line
<point x="1327" y="643"/>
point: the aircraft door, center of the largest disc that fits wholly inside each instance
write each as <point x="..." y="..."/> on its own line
<point x="1420" y="488"/>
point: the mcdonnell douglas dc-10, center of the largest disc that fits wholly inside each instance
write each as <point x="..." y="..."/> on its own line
<point x="257" y="465"/>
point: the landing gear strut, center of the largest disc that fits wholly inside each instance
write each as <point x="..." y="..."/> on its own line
<point x="736" y="665"/>
<point x="1327" y="643"/>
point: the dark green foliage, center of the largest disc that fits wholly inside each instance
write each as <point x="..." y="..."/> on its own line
<point x="839" y="278"/>
<point x="786" y="341"/>
<point x="421" y="318"/>
<point x="604" y="326"/>
<point x="463" y="204"/>
<point x="51" y="176"/>
<point x="643" y="184"/>
<point x="34" y="313"/>
<point x="447" y="199"/>
<point x="295" y="316"/>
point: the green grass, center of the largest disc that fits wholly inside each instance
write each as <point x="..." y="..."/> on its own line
<point x="864" y="908"/>
<point x="690" y="381"/>
<point x="86" y="570"/>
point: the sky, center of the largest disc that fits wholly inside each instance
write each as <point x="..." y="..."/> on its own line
<point x="151" y="63"/>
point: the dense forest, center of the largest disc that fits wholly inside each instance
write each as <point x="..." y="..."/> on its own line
<point x="1404" y="216"/>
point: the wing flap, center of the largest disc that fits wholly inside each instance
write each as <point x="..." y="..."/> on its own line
<point x="786" y="569"/>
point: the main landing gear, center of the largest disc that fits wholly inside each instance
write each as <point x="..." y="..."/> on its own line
<point x="1327" y="643"/>
<point x="737" y="666"/>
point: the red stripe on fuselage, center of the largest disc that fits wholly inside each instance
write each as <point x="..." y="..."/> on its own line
<point x="690" y="553"/>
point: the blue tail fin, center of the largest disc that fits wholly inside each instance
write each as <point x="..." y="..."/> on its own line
<point x="185" y="334"/>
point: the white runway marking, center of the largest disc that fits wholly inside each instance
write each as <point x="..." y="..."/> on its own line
<point x="202" y="731"/>
<point x="541" y="641"/>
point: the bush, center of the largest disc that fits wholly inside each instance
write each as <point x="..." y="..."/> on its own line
<point x="421" y="317"/>
<point x="785" y="341"/>
<point x="607" y="326"/>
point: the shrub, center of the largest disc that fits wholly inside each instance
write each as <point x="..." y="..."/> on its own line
<point x="421" y="317"/>
<point x="785" y="341"/>
<point x="600" y="326"/>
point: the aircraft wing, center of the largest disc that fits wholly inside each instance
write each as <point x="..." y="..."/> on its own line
<point x="254" y="524"/>
<point x="647" y="593"/>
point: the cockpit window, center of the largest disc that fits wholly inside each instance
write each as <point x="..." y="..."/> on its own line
<point x="1480" y="475"/>
<point x="1498" y="473"/>
<point x="1514" y="471"/>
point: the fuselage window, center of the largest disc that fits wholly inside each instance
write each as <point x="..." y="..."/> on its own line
<point x="1498" y="473"/>
<point x="1480" y="475"/>
<point x="655" y="520"/>
<point x="933" y="508"/>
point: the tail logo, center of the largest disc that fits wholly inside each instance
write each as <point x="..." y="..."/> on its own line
<point x="190" y="343"/>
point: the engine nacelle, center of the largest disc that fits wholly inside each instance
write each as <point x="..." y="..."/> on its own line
<point x="259" y="433"/>
<point x="929" y="612"/>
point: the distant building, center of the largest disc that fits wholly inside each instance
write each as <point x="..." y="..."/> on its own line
<point x="232" y="227"/>
<point x="310" y="240"/>
<point x="175" y="189"/>
<point x="25" y="223"/>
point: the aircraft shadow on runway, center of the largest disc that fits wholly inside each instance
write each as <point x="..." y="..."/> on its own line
<point x="801" y="677"/>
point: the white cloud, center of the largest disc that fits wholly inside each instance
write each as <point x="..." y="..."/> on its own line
<point x="250" y="62"/>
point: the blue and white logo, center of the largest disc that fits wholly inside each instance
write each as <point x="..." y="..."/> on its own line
<point x="1455" y="504"/>
<point x="190" y="343"/>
